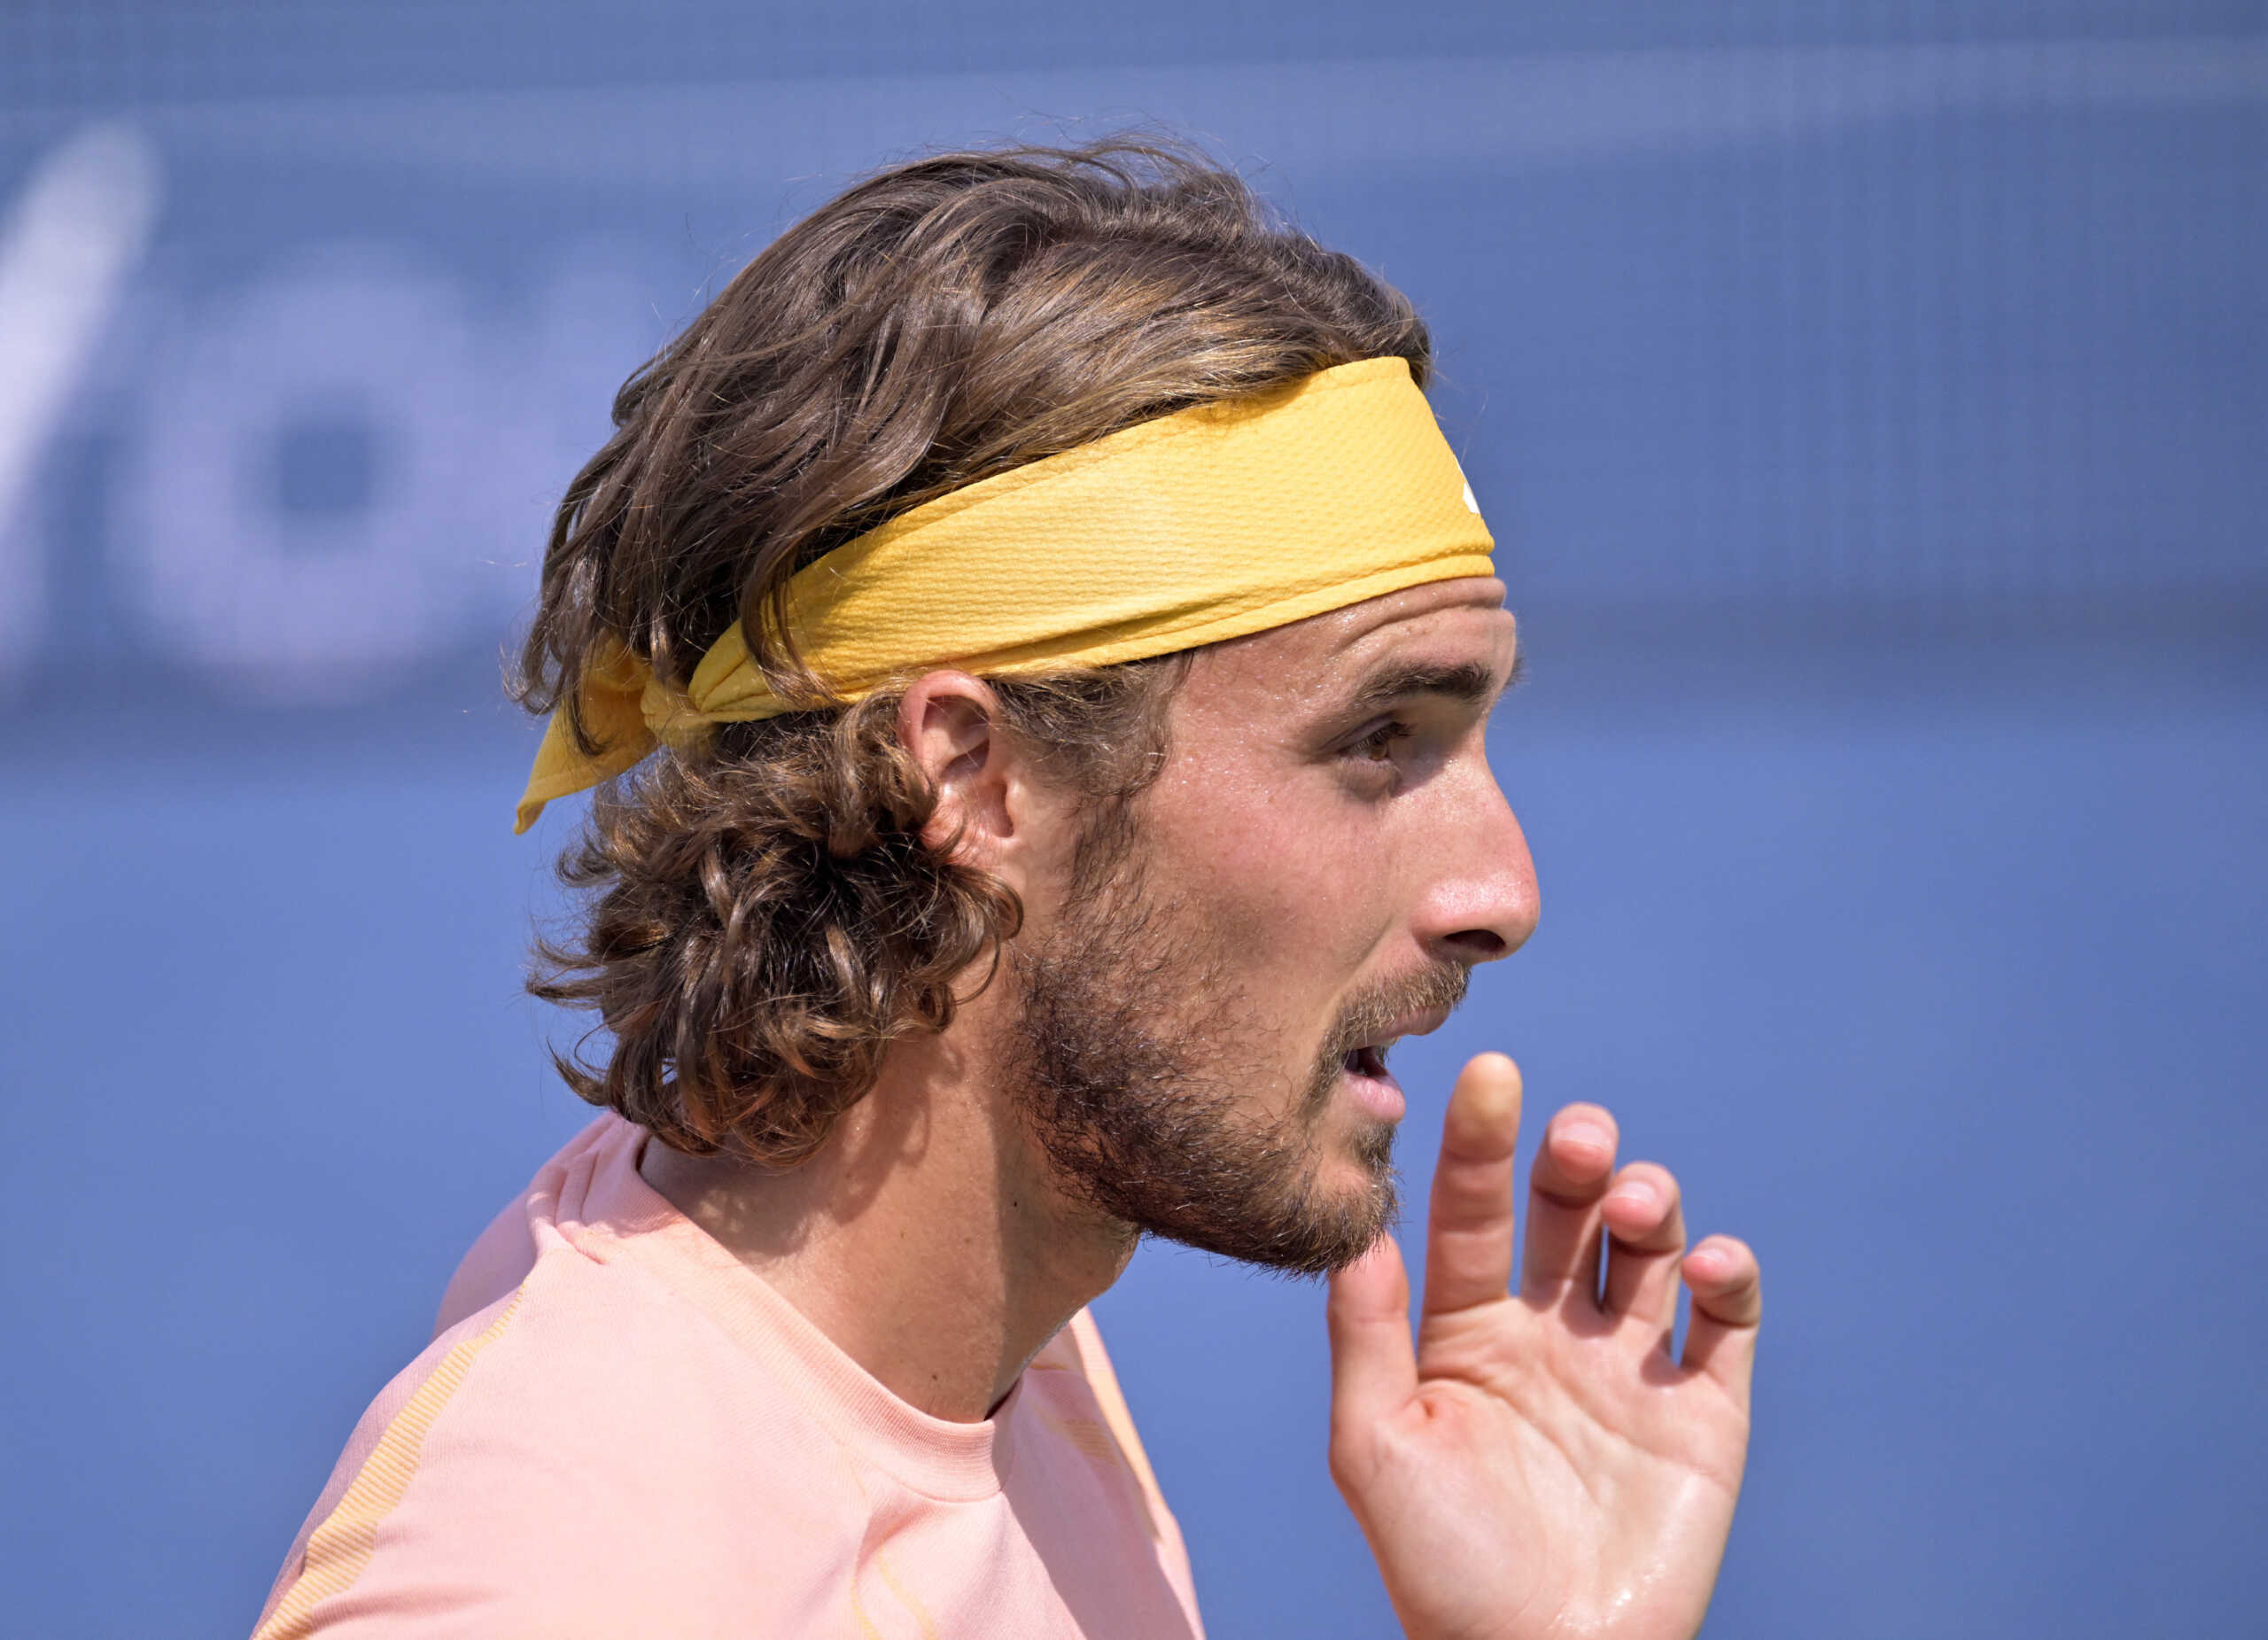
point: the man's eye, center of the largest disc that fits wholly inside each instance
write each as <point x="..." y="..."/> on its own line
<point x="1378" y="745"/>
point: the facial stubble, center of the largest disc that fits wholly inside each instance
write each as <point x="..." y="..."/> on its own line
<point x="1134" y="1058"/>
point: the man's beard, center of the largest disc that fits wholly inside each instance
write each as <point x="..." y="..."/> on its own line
<point x="1137" y="1064"/>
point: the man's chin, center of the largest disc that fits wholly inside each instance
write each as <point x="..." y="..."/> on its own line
<point x="1349" y="1202"/>
<point x="1362" y="1158"/>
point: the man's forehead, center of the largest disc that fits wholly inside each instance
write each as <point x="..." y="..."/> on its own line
<point x="1468" y="610"/>
<point x="1449" y="622"/>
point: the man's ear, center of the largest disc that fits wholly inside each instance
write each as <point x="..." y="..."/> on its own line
<point x="949" y="723"/>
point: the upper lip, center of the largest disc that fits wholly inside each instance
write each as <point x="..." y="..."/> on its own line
<point x="1408" y="1025"/>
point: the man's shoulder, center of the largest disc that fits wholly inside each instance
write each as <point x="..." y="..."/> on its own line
<point x="587" y="1441"/>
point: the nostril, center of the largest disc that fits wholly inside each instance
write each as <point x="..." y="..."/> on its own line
<point x="1480" y="945"/>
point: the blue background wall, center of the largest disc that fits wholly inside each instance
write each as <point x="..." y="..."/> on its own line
<point x="1873" y="403"/>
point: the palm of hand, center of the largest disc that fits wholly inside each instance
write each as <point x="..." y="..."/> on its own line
<point x="1540" y="1465"/>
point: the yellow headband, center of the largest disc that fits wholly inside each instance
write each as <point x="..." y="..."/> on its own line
<point x="1215" y="522"/>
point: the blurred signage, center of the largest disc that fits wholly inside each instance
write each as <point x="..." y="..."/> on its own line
<point x="326" y="471"/>
<point x="289" y="389"/>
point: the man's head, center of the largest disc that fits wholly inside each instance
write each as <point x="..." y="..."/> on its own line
<point x="1206" y="887"/>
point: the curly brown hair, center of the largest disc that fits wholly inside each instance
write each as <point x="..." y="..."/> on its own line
<point x="763" y="916"/>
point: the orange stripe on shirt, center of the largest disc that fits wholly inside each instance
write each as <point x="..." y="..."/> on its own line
<point x="341" y="1545"/>
<point x="1110" y="1401"/>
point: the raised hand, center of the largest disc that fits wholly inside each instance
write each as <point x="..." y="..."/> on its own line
<point x="1538" y="1464"/>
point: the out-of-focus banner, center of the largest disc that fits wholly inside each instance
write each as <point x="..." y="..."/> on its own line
<point x="289" y="384"/>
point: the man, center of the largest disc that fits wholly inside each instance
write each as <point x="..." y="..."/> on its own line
<point x="1043" y="643"/>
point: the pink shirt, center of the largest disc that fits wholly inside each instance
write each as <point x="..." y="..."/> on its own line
<point x="619" y="1430"/>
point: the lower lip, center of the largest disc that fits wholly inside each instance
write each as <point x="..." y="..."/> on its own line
<point x="1380" y="1095"/>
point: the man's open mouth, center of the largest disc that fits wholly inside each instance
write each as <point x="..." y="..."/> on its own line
<point x="1368" y="1061"/>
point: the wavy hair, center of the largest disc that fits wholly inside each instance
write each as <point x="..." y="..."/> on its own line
<point x="761" y="916"/>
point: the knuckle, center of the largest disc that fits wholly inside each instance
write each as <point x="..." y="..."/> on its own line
<point x="1569" y="1196"/>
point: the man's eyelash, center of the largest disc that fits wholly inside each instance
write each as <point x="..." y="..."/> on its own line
<point x="1375" y="745"/>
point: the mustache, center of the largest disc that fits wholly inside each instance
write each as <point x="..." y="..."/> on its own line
<point x="1371" y="1011"/>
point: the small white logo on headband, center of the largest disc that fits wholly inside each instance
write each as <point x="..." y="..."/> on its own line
<point x="1472" y="501"/>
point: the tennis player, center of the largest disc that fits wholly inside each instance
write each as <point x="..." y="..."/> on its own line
<point x="1032" y="645"/>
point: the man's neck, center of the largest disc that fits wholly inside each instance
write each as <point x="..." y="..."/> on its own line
<point x="925" y="1237"/>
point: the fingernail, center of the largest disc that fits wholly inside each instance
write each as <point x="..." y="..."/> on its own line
<point x="1588" y="1134"/>
<point x="1637" y="1194"/>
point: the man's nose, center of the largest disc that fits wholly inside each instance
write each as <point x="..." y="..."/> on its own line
<point x="1483" y="903"/>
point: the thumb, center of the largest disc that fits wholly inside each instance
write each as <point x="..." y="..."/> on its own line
<point x="1373" y="1363"/>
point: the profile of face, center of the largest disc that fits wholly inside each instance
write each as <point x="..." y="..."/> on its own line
<point x="1199" y="1037"/>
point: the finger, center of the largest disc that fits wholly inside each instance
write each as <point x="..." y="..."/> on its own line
<point x="1645" y="1226"/>
<point x="1469" y="1230"/>
<point x="1565" y="1187"/>
<point x="1727" y="1304"/>
<point x="1373" y="1361"/>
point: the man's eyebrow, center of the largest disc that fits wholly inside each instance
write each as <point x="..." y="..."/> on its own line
<point x="1469" y="683"/>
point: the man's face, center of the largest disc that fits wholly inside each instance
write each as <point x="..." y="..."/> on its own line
<point x="1201" y="1038"/>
